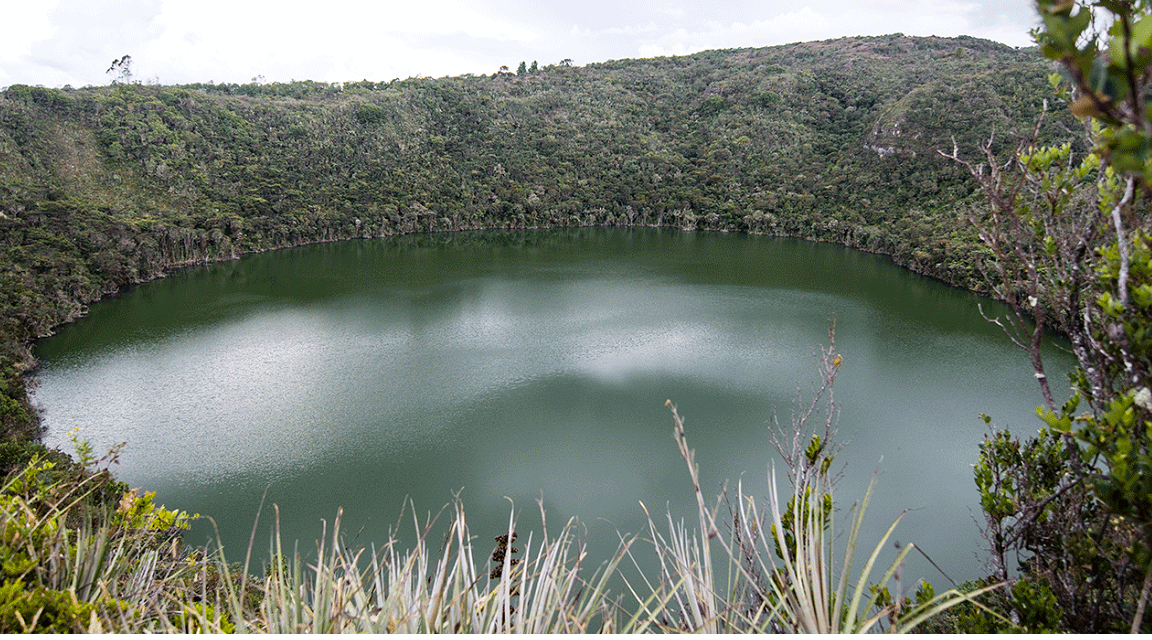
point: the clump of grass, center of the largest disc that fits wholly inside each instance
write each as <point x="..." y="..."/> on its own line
<point x="392" y="589"/>
<point x="781" y="564"/>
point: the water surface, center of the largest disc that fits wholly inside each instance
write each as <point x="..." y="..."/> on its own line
<point x="512" y="367"/>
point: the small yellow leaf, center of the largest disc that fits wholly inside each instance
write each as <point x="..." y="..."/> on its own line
<point x="127" y="502"/>
<point x="1085" y="106"/>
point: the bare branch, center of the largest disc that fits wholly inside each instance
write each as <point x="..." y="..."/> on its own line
<point x="1121" y="239"/>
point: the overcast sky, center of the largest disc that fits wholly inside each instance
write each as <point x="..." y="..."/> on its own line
<point x="72" y="42"/>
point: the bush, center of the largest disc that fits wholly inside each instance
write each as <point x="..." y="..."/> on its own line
<point x="42" y="610"/>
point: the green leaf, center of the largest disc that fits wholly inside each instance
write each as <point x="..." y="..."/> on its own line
<point x="1142" y="33"/>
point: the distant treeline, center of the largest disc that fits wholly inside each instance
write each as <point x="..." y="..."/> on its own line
<point x="836" y="141"/>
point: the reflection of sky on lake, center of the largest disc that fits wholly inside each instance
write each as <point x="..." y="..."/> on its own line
<point x="271" y="388"/>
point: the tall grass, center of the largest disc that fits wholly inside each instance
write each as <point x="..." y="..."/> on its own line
<point x="782" y="572"/>
<point x="748" y="570"/>
<point x="414" y="590"/>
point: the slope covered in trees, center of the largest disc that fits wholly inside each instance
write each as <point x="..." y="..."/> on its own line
<point x="105" y="186"/>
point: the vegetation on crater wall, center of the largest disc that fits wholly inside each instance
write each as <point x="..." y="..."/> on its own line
<point x="105" y="186"/>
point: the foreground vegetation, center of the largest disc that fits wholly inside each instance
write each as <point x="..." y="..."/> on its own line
<point x="103" y="187"/>
<point x="1069" y="235"/>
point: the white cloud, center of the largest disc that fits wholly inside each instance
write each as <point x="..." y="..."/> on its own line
<point x="175" y="41"/>
<point x="32" y="23"/>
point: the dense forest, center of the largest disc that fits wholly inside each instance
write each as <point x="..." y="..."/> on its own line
<point x="930" y="150"/>
<point x="837" y="141"/>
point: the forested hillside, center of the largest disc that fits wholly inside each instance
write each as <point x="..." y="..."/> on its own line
<point x="101" y="187"/>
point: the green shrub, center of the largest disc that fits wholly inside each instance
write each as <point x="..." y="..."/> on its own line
<point x="1029" y="601"/>
<point x="137" y="511"/>
<point x="16" y="454"/>
<point x="202" y="618"/>
<point x="42" y="610"/>
<point x="369" y="113"/>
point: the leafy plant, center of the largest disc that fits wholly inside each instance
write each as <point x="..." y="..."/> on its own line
<point x="138" y="511"/>
<point x="1068" y="243"/>
<point x="42" y="610"/>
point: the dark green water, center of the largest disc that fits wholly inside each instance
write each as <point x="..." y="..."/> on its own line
<point x="533" y="365"/>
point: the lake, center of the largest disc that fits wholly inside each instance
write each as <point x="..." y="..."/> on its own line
<point x="516" y="367"/>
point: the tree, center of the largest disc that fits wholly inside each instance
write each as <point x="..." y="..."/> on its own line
<point x="1067" y="236"/>
<point x="122" y="68"/>
<point x="522" y="70"/>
